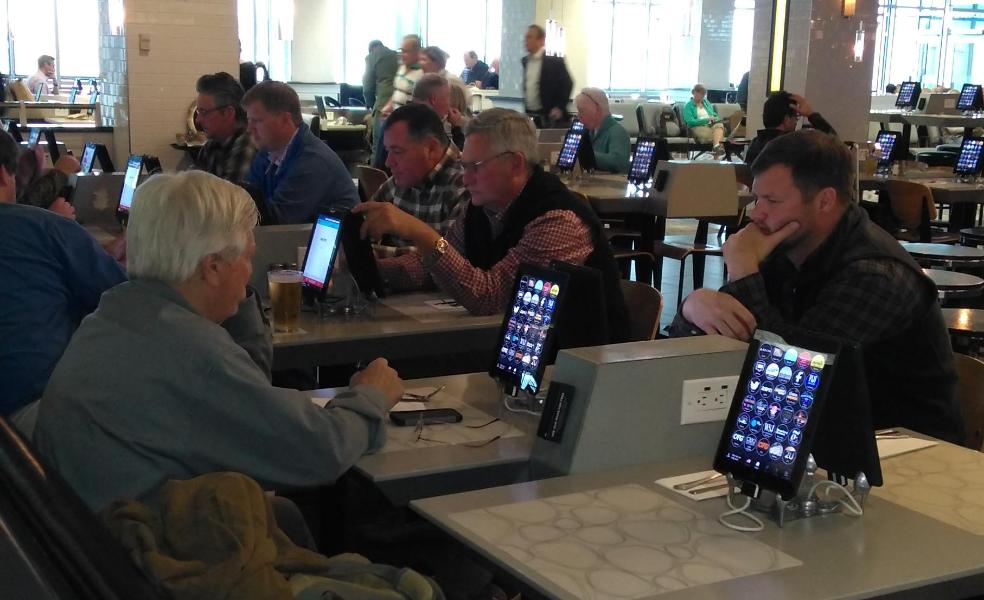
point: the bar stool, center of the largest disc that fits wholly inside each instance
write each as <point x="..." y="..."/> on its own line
<point x="950" y="284"/>
<point x="972" y="236"/>
<point x="966" y="326"/>
<point x="946" y="256"/>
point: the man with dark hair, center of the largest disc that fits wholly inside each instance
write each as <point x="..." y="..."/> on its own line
<point x="46" y="72"/>
<point x="517" y="214"/>
<point x="377" y="81"/>
<point x="229" y="151"/>
<point x="299" y="175"/>
<point x="547" y="84"/>
<point x="475" y="70"/>
<point x="811" y="259"/>
<point x="780" y="115"/>
<point x="53" y="274"/>
<point x="427" y="180"/>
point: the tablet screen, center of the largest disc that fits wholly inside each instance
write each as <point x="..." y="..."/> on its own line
<point x="321" y="251"/>
<point x="968" y="97"/>
<point x="72" y="94"/>
<point x="528" y="329"/>
<point x="885" y="146"/>
<point x="969" y="160"/>
<point x="643" y="161"/>
<point x="88" y="157"/>
<point x="130" y="178"/>
<point x="908" y="95"/>
<point x="776" y="408"/>
<point x="32" y="141"/>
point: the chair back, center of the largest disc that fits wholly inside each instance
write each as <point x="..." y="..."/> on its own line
<point x="370" y="178"/>
<point x="58" y="540"/>
<point x="912" y="203"/>
<point x="645" y="305"/>
<point x="647" y="115"/>
<point x="970" y="392"/>
<point x="630" y="121"/>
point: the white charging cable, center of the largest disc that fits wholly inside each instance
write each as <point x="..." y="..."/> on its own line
<point x="848" y="502"/>
<point x="742" y="511"/>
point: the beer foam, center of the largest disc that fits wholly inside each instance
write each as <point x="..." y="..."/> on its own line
<point x="285" y="277"/>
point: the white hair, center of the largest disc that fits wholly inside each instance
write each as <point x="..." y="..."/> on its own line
<point x="506" y="131"/>
<point x="596" y="95"/>
<point x="178" y="220"/>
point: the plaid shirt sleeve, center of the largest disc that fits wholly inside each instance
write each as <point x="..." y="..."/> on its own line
<point x="866" y="301"/>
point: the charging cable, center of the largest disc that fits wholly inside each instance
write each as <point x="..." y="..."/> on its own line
<point x="848" y="502"/>
<point x="742" y="511"/>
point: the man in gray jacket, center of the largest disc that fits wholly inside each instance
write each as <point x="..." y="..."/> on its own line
<point x="152" y="388"/>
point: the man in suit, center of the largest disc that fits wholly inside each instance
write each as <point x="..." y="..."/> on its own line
<point x="546" y="83"/>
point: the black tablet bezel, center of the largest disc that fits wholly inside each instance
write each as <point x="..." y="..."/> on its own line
<point x="554" y="276"/>
<point x="310" y="289"/>
<point x="122" y="214"/>
<point x="576" y="128"/>
<point x="767" y="481"/>
<point x="651" y="170"/>
<point x="886" y="159"/>
<point x="916" y="91"/>
<point x="359" y="256"/>
<point x="89" y="147"/>
<point x="980" y="155"/>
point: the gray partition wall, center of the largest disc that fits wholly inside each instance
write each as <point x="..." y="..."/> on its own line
<point x="276" y="244"/>
<point x="626" y="403"/>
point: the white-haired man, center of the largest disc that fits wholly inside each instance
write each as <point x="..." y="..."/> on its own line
<point x="609" y="139"/>
<point x="152" y="388"/>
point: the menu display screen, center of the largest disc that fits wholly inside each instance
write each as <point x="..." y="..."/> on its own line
<point x="775" y="412"/>
<point x="643" y="161"/>
<point x="529" y="326"/>
<point x="572" y="143"/>
<point x="321" y="251"/>
<point x="969" y="160"/>
<point x="88" y="157"/>
<point x="908" y="95"/>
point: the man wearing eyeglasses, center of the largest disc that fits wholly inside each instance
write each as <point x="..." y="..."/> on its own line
<point x="229" y="151"/>
<point x="517" y="214"/>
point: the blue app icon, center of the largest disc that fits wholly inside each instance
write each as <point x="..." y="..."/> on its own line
<point x="753" y="385"/>
<point x="798" y="378"/>
<point x="779" y="392"/>
<point x="790" y="357"/>
<point x="795" y="435"/>
<point x="759" y="367"/>
<point x="785" y="374"/>
<point x="754" y="424"/>
<point x="806" y="400"/>
<point x="760" y="406"/>
<point x="742" y="420"/>
<point x="749" y="443"/>
<point x="766" y="389"/>
<point x="782" y="432"/>
<point x="765" y="351"/>
<point x="775" y="451"/>
<point x="737" y="439"/>
<point x="768" y="428"/>
<point x="748" y="404"/>
<point x="792" y="396"/>
<point x="771" y="371"/>
<point x="813" y="380"/>
<point x="789" y="455"/>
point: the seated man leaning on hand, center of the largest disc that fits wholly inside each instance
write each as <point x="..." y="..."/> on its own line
<point x="517" y="214"/>
<point x="152" y="388"/>
<point x="811" y="259"/>
<point x="427" y="180"/>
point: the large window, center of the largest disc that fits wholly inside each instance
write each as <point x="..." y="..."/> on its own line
<point x="265" y="30"/>
<point x="934" y="42"/>
<point x="65" y="29"/>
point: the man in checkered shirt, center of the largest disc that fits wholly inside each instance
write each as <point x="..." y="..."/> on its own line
<point x="427" y="180"/>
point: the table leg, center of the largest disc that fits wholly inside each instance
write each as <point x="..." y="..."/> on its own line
<point x="699" y="257"/>
<point x="653" y="230"/>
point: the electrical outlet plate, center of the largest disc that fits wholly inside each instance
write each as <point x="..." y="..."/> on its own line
<point x="707" y="400"/>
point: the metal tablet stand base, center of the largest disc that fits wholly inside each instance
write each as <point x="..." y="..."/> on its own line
<point x="804" y="505"/>
<point x="513" y="398"/>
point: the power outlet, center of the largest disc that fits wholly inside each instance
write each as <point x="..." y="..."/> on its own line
<point x="706" y="400"/>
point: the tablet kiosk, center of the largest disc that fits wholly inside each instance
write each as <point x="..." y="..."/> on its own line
<point x="130" y="178"/>
<point x="970" y="99"/>
<point x="38" y="92"/>
<point x="14" y="130"/>
<point x="320" y="259"/>
<point x="52" y="144"/>
<point x="969" y="159"/>
<point x="359" y="257"/>
<point x="94" y="152"/>
<point x="72" y="95"/>
<point x="886" y="144"/>
<point x="644" y="160"/>
<point x="320" y="102"/>
<point x="908" y="96"/>
<point x="528" y="329"/>
<point x="34" y="138"/>
<point x="576" y="148"/>
<point x="782" y="388"/>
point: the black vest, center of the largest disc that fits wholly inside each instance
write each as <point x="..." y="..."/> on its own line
<point x="543" y="193"/>
<point x="911" y="374"/>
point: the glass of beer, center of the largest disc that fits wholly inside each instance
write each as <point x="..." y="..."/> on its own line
<point x="285" y="298"/>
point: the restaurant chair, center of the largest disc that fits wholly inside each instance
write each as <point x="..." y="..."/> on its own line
<point x="972" y="236"/>
<point x="679" y="248"/>
<point x="52" y="545"/>
<point x="645" y="305"/>
<point x="913" y="205"/>
<point x="694" y="148"/>
<point x="970" y="393"/>
<point x="370" y="179"/>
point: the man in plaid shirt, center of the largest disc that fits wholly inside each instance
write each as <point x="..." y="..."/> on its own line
<point x="811" y="260"/>
<point x="229" y="151"/>
<point x="427" y="181"/>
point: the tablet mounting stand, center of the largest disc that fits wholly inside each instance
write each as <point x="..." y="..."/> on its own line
<point x="806" y="504"/>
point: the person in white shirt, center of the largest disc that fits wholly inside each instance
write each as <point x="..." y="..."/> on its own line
<point x="46" y="71"/>
<point x="547" y="84"/>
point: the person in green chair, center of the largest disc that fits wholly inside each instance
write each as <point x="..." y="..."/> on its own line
<point x="608" y="138"/>
<point x="703" y="121"/>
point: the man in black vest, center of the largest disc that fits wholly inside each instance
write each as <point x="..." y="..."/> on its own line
<point x="517" y="214"/>
<point x="811" y="259"/>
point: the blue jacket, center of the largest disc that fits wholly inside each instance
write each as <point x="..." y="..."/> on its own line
<point x="53" y="274"/>
<point x="311" y="179"/>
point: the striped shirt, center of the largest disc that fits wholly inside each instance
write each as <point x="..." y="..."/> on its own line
<point x="403" y="84"/>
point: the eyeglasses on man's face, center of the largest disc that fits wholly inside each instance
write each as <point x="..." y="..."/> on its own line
<point x="473" y="167"/>
<point x="204" y="112"/>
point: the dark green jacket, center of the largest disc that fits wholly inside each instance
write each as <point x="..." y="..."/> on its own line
<point x="611" y="146"/>
<point x="377" y="82"/>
